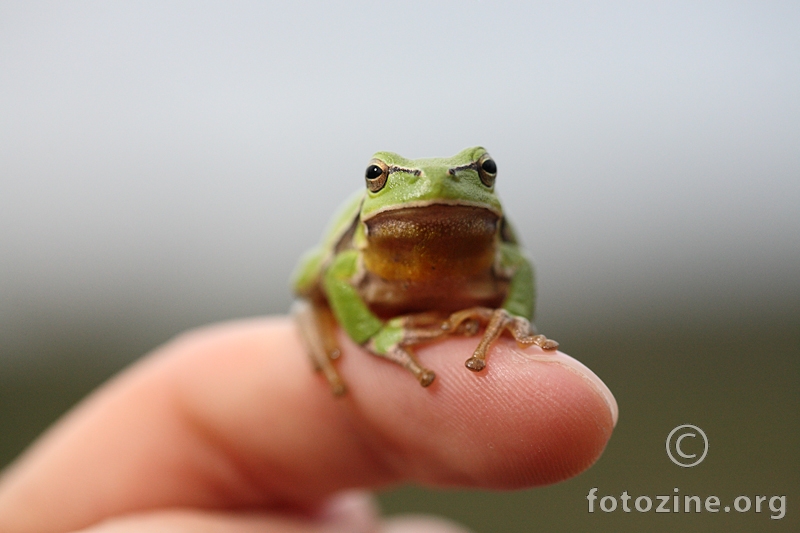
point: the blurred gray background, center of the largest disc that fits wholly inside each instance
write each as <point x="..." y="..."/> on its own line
<point x="162" y="166"/>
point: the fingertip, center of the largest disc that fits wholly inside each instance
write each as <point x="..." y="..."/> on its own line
<point x="572" y="364"/>
<point x="528" y="418"/>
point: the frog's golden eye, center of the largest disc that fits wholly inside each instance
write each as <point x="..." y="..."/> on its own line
<point x="487" y="170"/>
<point x="376" y="175"/>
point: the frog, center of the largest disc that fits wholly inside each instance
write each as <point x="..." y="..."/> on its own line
<point x="422" y="252"/>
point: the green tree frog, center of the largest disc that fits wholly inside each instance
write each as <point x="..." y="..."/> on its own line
<point x="422" y="252"/>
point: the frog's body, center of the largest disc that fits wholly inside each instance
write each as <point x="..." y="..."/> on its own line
<point x="423" y="252"/>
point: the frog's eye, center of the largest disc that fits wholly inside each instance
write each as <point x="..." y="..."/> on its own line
<point x="487" y="170"/>
<point x="376" y="175"/>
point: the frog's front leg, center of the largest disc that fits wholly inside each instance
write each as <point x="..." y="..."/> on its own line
<point x="394" y="342"/>
<point x="497" y="321"/>
<point x="512" y="317"/>
<point x="391" y="339"/>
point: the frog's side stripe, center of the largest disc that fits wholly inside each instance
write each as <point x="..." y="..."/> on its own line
<point x="345" y="242"/>
<point x="306" y="277"/>
<point x="507" y="233"/>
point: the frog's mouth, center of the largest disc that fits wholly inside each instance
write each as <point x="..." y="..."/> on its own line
<point x="452" y="222"/>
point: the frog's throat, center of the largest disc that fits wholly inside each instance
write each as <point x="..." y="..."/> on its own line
<point x="438" y="256"/>
<point x="433" y="242"/>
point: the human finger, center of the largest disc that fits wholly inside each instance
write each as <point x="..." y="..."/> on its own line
<point x="232" y="417"/>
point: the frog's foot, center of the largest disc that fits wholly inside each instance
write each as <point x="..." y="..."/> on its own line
<point x="403" y="356"/>
<point x="422" y="328"/>
<point x="317" y="330"/>
<point x="498" y="321"/>
<point x="467" y="321"/>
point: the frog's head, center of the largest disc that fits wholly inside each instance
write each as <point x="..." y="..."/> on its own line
<point x="466" y="179"/>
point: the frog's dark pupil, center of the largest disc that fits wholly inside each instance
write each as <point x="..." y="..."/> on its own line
<point x="374" y="171"/>
<point x="489" y="166"/>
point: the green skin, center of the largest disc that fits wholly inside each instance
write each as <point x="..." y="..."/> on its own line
<point x="331" y="272"/>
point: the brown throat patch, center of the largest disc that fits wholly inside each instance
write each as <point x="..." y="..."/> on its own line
<point x="437" y="256"/>
<point x="431" y="242"/>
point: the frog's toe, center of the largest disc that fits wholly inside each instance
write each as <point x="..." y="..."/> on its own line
<point x="541" y="341"/>
<point x="426" y="377"/>
<point x="339" y="389"/>
<point x="475" y="364"/>
<point x="549" y="344"/>
<point x="469" y="327"/>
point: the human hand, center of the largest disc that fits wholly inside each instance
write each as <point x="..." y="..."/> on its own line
<point x="227" y="429"/>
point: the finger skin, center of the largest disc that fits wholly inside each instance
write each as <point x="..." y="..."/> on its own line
<point x="209" y="522"/>
<point x="231" y="417"/>
<point x="421" y="524"/>
<point x="347" y="512"/>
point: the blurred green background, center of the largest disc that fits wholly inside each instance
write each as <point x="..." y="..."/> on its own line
<point x="162" y="166"/>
